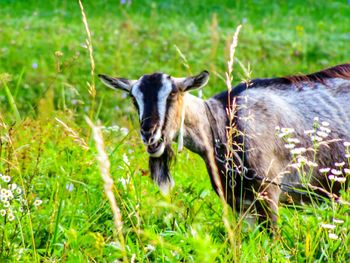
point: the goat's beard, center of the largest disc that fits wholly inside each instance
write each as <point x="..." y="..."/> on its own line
<point x="160" y="172"/>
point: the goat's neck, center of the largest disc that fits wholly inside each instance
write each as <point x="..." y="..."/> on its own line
<point x="198" y="136"/>
<point x="197" y="132"/>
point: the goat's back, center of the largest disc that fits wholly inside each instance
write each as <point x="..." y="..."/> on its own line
<point x="299" y="106"/>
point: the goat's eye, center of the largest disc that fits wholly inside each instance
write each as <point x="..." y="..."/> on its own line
<point x="172" y="94"/>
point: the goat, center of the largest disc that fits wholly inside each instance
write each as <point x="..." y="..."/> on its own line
<point x="251" y="162"/>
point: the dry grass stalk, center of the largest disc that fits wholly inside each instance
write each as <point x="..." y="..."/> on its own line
<point x="233" y="46"/>
<point x="228" y="74"/>
<point x="187" y="66"/>
<point x="104" y="165"/>
<point x="80" y="141"/>
<point x="230" y="132"/>
<point x="92" y="89"/>
<point x="184" y="59"/>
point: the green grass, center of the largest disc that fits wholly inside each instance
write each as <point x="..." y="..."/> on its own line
<point x="74" y="223"/>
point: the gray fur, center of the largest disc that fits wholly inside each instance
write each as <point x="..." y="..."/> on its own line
<point x="259" y="109"/>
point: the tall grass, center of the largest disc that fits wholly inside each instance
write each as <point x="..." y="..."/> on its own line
<point x="88" y="41"/>
<point x="108" y="184"/>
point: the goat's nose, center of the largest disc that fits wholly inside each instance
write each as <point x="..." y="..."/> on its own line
<point x="151" y="140"/>
<point x="147" y="136"/>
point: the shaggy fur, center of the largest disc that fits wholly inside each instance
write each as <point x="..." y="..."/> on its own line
<point x="159" y="168"/>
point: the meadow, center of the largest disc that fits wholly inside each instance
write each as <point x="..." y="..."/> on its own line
<point x="59" y="211"/>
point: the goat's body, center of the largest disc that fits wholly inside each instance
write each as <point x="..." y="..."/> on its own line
<point x="260" y="108"/>
<point x="245" y="158"/>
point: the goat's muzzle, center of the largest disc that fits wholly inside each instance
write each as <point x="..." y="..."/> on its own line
<point x="156" y="149"/>
<point x="154" y="141"/>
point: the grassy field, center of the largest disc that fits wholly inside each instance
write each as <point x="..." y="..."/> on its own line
<point x="59" y="211"/>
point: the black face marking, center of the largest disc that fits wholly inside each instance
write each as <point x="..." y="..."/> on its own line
<point x="149" y="87"/>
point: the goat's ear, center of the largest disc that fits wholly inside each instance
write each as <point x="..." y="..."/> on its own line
<point x="193" y="82"/>
<point x="116" y="83"/>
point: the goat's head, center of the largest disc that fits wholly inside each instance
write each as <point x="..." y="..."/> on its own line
<point x="158" y="98"/>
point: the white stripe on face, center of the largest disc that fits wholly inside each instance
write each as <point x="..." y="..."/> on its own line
<point x="136" y="92"/>
<point x="163" y="94"/>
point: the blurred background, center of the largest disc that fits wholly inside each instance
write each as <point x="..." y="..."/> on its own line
<point x="131" y="38"/>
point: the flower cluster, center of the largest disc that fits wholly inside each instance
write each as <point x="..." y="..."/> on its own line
<point x="11" y="198"/>
<point x="320" y="131"/>
<point x="318" y="135"/>
<point x="331" y="227"/>
<point x="293" y="145"/>
<point x="9" y="193"/>
<point x="339" y="172"/>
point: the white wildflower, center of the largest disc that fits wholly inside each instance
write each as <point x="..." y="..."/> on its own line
<point x="295" y="165"/>
<point x="37" y="202"/>
<point x="328" y="226"/>
<point x="346" y="170"/>
<point x="283" y="134"/>
<point x="2" y="212"/>
<point x="18" y="190"/>
<point x="322" y="134"/>
<point x="334" y="178"/>
<point x="289" y="146"/>
<point x="331" y="177"/>
<point x="302" y="159"/>
<point x="316" y="119"/>
<point x="316" y="138"/>
<point x="324" y="170"/>
<point x="6" y="178"/>
<point x="336" y="172"/>
<point x="124" y="130"/>
<point x="325" y="129"/>
<point x="298" y="150"/>
<point x="338" y="221"/>
<point x="332" y="236"/>
<point x="312" y="164"/>
<point x="287" y="130"/>
<point x="6" y="204"/>
<point x="347" y="155"/>
<point x="340" y="179"/>
<point x="149" y="247"/>
<point x="346" y="144"/>
<point x="277" y="128"/>
<point x="293" y="140"/>
<point x="11" y="217"/>
<point x="324" y="123"/>
<point x="339" y="164"/>
<point x="10" y="195"/>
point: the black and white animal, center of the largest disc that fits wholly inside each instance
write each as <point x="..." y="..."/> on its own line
<point x="256" y="165"/>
